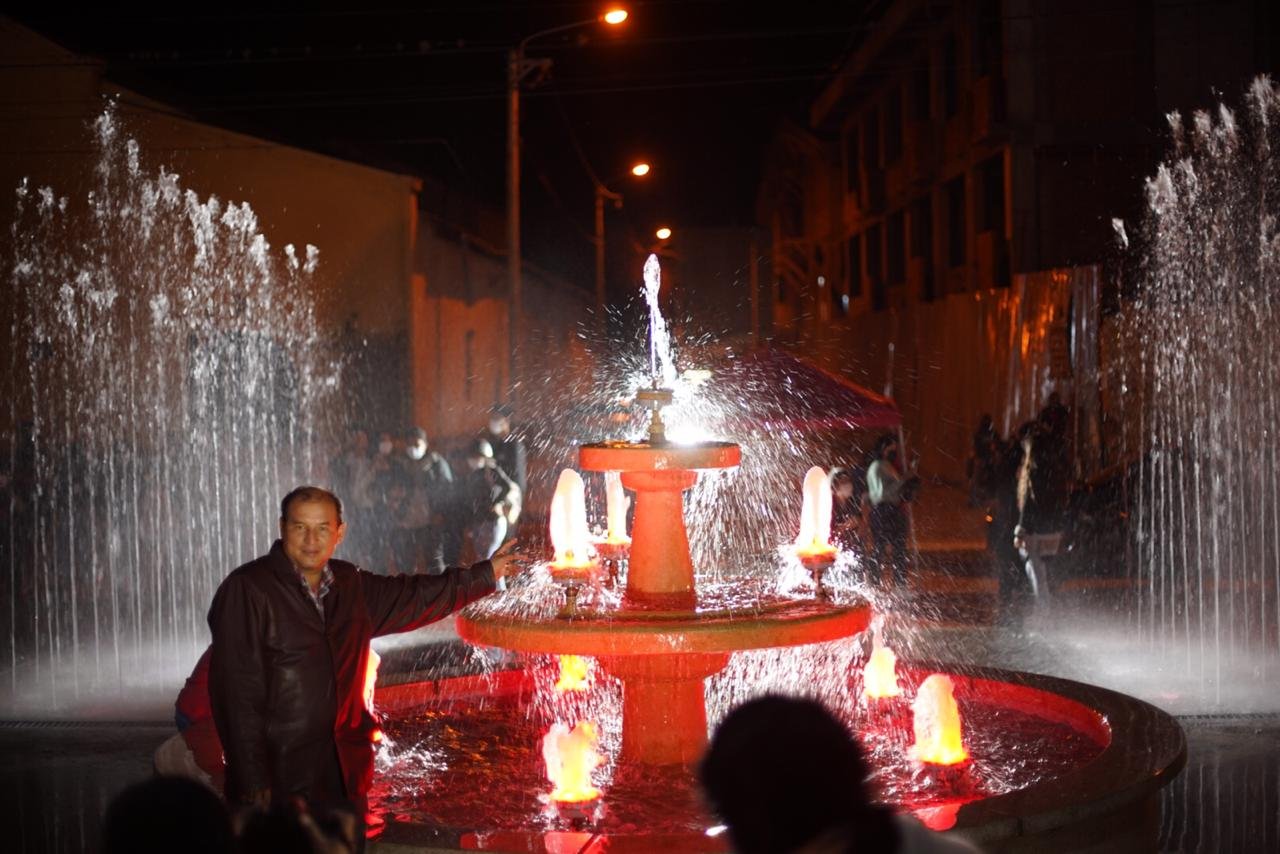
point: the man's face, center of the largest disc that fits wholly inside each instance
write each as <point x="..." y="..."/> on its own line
<point x="417" y="449"/>
<point x="498" y="425"/>
<point x="310" y="532"/>
<point x="475" y="463"/>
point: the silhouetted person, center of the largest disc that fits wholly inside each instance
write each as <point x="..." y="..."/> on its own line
<point x="888" y="490"/>
<point x="485" y="498"/>
<point x="1043" y="492"/>
<point x="421" y="526"/>
<point x="508" y="449"/>
<point x="1009" y="563"/>
<point x="983" y="460"/>
<point x="165" y="814"/>
<point x="846" y="510"/>
<point x="786" y="776"/>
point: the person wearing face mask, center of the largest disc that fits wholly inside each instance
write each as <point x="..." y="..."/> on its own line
<point x="508" y="449"/>
<point x="428" y="481"/>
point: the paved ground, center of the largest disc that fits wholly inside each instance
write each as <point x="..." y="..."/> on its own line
<point x="56" y="778"/>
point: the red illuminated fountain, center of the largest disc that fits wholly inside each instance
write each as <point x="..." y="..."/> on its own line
<point x="1016" y="762"/>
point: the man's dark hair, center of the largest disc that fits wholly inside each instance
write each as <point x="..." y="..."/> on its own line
<point x="480" y="448"/>
<point x="310" y="493"/>
<point x="166" y="814"/>
<point x="501" y="409"/>
<point x="783" y="772"/>
<point x="414" y="434"/>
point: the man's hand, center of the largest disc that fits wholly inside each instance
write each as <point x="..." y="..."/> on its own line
<point x="505" y="560"/>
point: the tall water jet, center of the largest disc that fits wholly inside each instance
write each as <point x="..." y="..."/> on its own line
<point x="1207" y="520"/>
<point x="168" y="385"/>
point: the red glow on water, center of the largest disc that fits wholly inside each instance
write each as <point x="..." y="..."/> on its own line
<point x="376" y="735"/>
<point x="570" y="756"/>
<point x="939" y="817"/>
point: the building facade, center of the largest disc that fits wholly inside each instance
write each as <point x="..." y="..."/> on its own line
<point x="964" y="157"/>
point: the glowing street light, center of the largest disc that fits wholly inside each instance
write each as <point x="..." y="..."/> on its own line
<point x="663" y="233"/>
<point x="640" y="170"/>
<point x="518" y="67"/>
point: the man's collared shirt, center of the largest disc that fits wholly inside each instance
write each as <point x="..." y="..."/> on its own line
<point x="317" y="596"/>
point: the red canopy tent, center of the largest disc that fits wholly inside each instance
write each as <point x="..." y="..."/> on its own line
<point x="784" y="390"/>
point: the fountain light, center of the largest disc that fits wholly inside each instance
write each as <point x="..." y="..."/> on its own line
<point x="574" y="670"/>
<point x="936" y="721"/>
<point x="880" y="677"/>
<point x="616" y="543"/>
<point x="571" y="756"/>
<point x="815" y="517"/>
<point x="570" y="536"/>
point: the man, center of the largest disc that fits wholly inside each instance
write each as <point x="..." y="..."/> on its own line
<point x="887" y="489"/>
<point x="486" y="498"/>
<point x="508" y="450"/>
<point x="1043" y="493"/>
<point x="291" y="634"/>
<point x="420" y="525"/>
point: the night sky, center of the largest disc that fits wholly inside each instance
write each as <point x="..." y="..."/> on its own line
<point x="696" y="87"/>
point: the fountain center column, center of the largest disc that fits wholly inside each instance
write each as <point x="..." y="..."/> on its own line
<point x="660" y="570"/>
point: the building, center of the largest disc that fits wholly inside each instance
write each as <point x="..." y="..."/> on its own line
<point x="948" y="199"/>
<point x="410" y="282"/>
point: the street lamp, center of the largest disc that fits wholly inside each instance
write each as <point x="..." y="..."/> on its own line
<point x="663" y="233"/>
<point x="602" y="192"/>
<point x="517" y="68"/>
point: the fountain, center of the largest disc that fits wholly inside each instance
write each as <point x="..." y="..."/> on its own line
<point x="165" y="371"/>
<point x="622" y="673"/>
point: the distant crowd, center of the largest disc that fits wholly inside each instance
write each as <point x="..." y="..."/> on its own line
<point x="411" y="511"/>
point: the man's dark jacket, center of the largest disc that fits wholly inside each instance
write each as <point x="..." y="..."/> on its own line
<point x="287" y="686"/>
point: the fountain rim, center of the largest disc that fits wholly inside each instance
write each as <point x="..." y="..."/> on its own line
<point x="630" y="633"/>
<point x="1113" y="782"/>
<point x="668" y="456"/>
<point x="1115" y="778"/>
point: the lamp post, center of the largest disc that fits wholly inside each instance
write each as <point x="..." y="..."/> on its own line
<point x="517" y="68"/>
<point x="604" y="194"/>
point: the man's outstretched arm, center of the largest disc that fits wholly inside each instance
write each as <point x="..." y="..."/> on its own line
<point x="238" y="689"/>
<point x="407" y="602"/>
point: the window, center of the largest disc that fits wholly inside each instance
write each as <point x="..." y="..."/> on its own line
<point x="875" y="266"/>
<point x="991" y="173"/>
<point x="871" y="140"/>
<point x="922" y="241"/>
<point x="950" y="77"/>
<point x="855" y="265"/>
<point x="921" y="90"/>
<point x="896" y="248"/>
<point x="852" y="160"/>
<point x="893" y="125"/>
<point x="990" y="36"/>
<point x="956" y="243"/>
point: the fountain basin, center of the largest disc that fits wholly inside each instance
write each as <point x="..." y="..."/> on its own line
<point x="1102" y="796"/>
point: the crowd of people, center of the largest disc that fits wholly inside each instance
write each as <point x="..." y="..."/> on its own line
<point x="412" y="511"/>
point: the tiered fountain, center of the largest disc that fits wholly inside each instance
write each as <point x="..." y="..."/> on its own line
<point x="1017" y="762"/>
